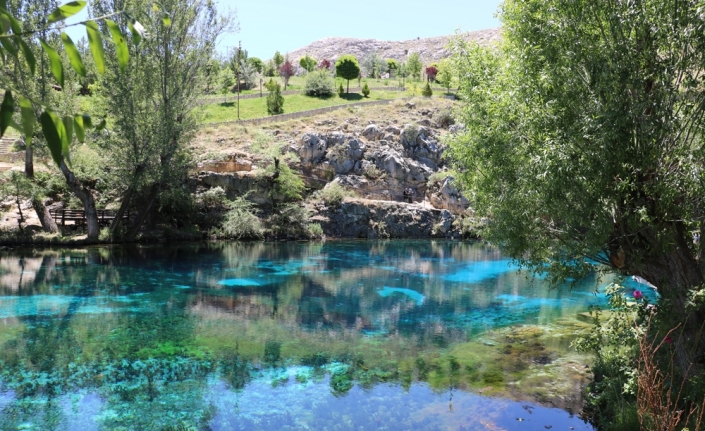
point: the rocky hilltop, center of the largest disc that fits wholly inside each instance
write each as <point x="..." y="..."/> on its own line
<point x="429" y="49"/>
<point x="390" y="159"/>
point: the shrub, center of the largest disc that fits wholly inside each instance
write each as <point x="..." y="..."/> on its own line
<point x="275" y="100"/>
<point x="315" y="230"/>
<point x="372" y="172"/>
<point x="212" y="200"/>
<point x="366" y="90"/>
<point x="291" y="221"/>
<point x="427" y="92"/>
<point x="333" y="194"/>
<point x="319" y="84"/>
<point x="444" y="117"/>
<point x="241" y="220"/>
<point x="341" y="90"/>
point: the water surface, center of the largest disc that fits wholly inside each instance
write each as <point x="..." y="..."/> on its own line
<point x="338" y="336"/>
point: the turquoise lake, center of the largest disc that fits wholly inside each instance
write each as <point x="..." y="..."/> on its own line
<point x="395" y="335"/>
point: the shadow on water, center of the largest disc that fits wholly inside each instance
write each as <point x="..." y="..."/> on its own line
<point x="405" y="334"/>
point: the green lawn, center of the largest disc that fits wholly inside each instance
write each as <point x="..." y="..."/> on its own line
<point x="257" y="108"/>
<point x="296" y="83"/>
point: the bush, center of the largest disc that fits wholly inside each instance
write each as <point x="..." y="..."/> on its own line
<point x="319" y="84"/>
<point x="275" y="100"/>
<point x="212" y="200"/>
<point x="366" y="90"/>
<point x="427" y="92"/>
<point x="241" y="220"/>
<point x="291" y="221"/>
<point x="315" y="230"/>
<point x="341" y="90"/>
<point x="444" y="117"/>
<point x="334" y="194"/>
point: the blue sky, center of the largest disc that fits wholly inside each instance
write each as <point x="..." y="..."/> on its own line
<point x="267" y="26"/>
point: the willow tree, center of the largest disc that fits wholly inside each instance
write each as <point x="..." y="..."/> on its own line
<point x="151" y="99"/>
<point x="584" y="145"/>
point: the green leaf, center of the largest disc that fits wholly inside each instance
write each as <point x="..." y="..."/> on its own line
<point x="6" y="110"/>
<point x="9" y="45"/>
<point x="50" y="126"/>
<point x="66" y="10"/>
<point x="166" y="19"/>
<point x="123" y="54"/>
<point x="28" y="55"/>
<point x="96" y="43"/>
<point x="28" y="119"/>
<point x="7" y="21"/>
<point x="67" y="138"/>
<point x="73" y="54"/>
<point x="79" y="128"/>
<point x="136" y="29"/>
<point x="57" y="69"/>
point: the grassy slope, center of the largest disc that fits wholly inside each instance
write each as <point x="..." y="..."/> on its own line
<point x="256" y="108"/>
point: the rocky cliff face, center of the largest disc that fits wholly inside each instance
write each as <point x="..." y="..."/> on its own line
<point x="396" y="172"/>
<point x="429" y="49"/>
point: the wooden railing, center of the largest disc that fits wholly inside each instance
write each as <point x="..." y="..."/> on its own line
<point x="78" y="217"/>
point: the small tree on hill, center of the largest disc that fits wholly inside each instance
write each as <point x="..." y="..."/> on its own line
<point x="366" y="90"/>
<point x="347" y="68"/>
<point x="431" y="73"/>
<point x="445" y="74"/>
<point x="427" y="92"/>
<point x="392" y="66"/>
<point x="278" y="60"/>
<point x="256" y="63"/>
<point x="414" y="65"/>
<point x="286" y="71"/>
<point x="324" y="64"/>
<point x="275" y="100"/>
<point x="308" y="63"/>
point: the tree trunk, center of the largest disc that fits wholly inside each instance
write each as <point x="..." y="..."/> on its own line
<point x="675" y="273"/>
<point x="142" y="216"/>
<point x="84" y="194"/>
<point x="48" y="224"/>
<point x="123" y="207"/>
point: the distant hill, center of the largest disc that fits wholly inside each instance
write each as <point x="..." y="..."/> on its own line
<point x="429" y="49"/>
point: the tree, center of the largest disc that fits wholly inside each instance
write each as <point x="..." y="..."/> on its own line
<point x="427" y="92"/>
<point x="308" y="63"/>
<point x="151" y="104"/>
<point x="57" y="130"/>
<point x="392" y="66"/>
<point x="585" y="146"/>
<point x="431" y="73"/>
<point x="278" y="60"/>
<point x="365" y="90"/>
<point x="275" y="100"/>
<point x="286" y="71"/>
<point x="347" y="68"/>
<point x="226" y="80"/>
<point x="445" y="74"/>
<point x="372" y="64"/>
<point x="256" y="63"/>
<point x="414" y="65"/>
<point x="403" y="71"/>
<point x="324" y="64"/>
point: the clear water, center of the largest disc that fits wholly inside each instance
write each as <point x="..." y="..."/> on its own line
<point x="408" y="335"/>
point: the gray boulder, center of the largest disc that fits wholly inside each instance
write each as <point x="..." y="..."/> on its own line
<point x="313" y="147"/>
<point x="372" y="132"/>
